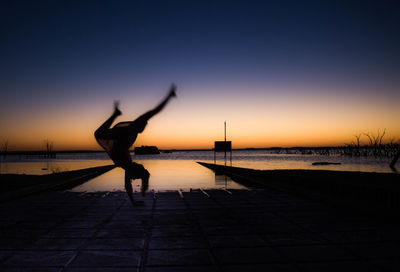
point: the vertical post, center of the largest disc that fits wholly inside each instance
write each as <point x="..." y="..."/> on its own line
<point x="225" y="141"/>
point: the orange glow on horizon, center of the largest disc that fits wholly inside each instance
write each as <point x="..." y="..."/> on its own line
<point x="195" y="122"/>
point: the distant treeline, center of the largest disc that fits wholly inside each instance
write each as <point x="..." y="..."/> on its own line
<point x="376" y="146"/>
<point x="376" y="149"/>
<point x="384" y="150"/>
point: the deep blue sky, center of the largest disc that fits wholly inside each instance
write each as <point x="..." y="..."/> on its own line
<point x="170" y="40"/>
<point x="83" y="53"/>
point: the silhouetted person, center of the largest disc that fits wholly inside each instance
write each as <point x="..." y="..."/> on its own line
<point x="117" y="140"/>
<point x="136" y="171"/>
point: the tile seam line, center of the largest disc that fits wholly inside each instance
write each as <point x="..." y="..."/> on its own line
<point x="146" y="246"/>
<point x="78" y="252"/>
<point x="203" y="235"/>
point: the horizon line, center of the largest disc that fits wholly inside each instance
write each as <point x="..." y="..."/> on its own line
<point x="171" y="149"/>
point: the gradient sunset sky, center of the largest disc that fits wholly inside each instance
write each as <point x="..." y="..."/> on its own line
<point x="281" y="73"/>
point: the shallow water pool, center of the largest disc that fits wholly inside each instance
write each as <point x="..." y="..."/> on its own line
<point x="164" y="176"/>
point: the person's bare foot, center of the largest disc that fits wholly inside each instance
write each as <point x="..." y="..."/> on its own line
<point x="172" y="90"/>
<point x="117" y="112"/>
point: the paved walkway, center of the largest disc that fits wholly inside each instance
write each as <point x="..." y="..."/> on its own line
<point x="215" y="230"/>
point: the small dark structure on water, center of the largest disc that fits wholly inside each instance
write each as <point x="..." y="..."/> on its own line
<point x="146" y="150"/>
<point x="223" y="146"/>
<point x="326" y="163"/>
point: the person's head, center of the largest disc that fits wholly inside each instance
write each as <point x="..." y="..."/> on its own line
<point x="137" y="171"/>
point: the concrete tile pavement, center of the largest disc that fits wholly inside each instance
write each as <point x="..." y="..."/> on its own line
<point x="239" y="230"/>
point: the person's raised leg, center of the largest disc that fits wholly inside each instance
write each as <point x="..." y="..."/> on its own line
<point x="171" y="93"/>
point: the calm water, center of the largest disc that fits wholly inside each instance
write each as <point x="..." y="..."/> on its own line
<point x="164" y="175"/>
<point x="178" y="170"/>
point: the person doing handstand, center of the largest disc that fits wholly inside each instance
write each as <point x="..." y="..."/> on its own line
<point x="117" y="140"/>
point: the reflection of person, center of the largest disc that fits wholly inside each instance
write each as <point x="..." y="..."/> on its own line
<point x="117" y="140"/>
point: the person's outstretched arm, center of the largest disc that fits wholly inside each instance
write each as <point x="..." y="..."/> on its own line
<point x="128" y="188"/>
<point x="107" y="124"/>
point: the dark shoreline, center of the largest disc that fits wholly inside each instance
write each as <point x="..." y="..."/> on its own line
<point x="368" y="192"/>
<point x="19" y="185"/>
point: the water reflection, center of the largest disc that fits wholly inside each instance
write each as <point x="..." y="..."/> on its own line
<point x="256" y="159"/>
<point x="164" y="175"/>
<point x="221" y="180"/>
